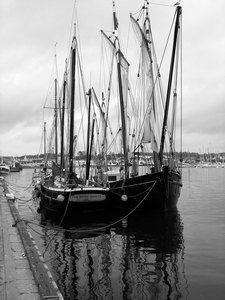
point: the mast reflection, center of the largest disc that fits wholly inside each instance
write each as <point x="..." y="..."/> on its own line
<point x="139" y="258"/>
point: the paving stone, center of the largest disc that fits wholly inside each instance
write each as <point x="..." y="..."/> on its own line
<point x="25" y="274"/>
<point x="30" y="296"/>
<point x="27" y="286"/>
<point x="16" y="278"/>
<point x="22" y="263"/>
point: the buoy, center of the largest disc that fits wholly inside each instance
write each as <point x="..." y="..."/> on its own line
<point x="60" y="198"/>
<point x="124" y="198"/>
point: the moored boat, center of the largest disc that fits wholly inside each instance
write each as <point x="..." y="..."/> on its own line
<point x="62" y="192"/>
<point x="159" y="188"/>
<point x="157" y="191"/>
<point x="15" y="166"/>
<point x="152" y="122"/>
<point x="4" y="169"/>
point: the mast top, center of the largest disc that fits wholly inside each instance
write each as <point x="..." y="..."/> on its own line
<point x="115" y="20"/>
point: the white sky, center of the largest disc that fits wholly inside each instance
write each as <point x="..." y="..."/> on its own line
<point x="29" y="30"/>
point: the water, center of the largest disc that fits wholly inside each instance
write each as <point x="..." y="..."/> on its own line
<point x="177" y="255"/>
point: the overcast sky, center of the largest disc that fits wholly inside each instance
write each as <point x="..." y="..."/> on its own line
<point x="30" y="29"/>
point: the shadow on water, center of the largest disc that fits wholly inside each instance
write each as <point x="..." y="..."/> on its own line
<point x="137" y="258"/>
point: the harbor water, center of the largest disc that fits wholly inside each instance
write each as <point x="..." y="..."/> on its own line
<point x="175" y="255"/>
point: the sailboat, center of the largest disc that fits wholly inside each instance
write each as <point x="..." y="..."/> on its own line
<point x="146" y="132"/>
<point x="160" y="186"/>
<point x="15" y="166"/>
<point x="62" y="191"/>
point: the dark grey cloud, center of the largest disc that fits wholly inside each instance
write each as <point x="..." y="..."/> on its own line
<point x="30" y="29"/>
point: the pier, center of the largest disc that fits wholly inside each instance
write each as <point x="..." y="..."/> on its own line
<point x="23" y="272"/>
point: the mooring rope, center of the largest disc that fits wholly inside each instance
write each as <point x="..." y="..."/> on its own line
<point x="131" y="196"/>
<point x="57" y="230"/>
<point x="93" y="229"/>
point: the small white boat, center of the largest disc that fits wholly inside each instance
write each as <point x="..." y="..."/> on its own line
<point x="4" y="169"/>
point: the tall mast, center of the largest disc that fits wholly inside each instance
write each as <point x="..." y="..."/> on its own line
<point x="106" y="114"/>
<point x="176" y="28"/>
<point x="72" y="93"/>
<point x="104" y="140"/>
<point x="88" y="136"/>
<point x="45" y="153"/>
<point x="63" y="119"/>
<point x="123" y="121"/>
<point x="148" y="42"/>
<point x="56" y="121"/>
<point x="122" y="107"/>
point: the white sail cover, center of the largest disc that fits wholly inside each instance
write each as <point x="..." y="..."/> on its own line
<point x="149" y="108"/>
<point x="124" y="67"/>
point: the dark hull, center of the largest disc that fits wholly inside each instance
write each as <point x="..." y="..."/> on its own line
<point x="14" y="169"/>
<point x="4" y="170"/>
<point x="145" y="194"/>
<point x="159" y="191"/>
<point x="74" y="202"/>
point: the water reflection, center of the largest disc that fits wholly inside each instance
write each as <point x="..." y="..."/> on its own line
<point x="139" y="258"/>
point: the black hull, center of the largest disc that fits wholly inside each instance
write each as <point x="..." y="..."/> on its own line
<point x="143" y="194"/>
<point x="158" y="191"/>
<point x="13" y="170"/>
<point x="75" y="203"/>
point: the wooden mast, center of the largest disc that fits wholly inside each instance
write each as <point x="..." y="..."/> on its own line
<point x="123" y="121"/>
<point x="45" y="152"/>
<point x="72" y="93"/>
<point x="122" y="108"/>
<point x="88" y="136"/>
<point x="147" y="39"/>
<point x="90" y="149"/>
<point x="63" y="121"/>
<point x="56" y="121"/>
<point x="176" y="28"/>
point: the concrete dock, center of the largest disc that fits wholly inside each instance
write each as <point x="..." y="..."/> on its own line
<point x="23" y="272"/>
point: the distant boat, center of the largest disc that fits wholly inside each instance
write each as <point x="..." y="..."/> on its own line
<point x="208" y="165"/>
<point x="15" y="166"/>
<point x="4" y="169"/>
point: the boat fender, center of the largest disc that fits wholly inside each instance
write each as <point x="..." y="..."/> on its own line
<point x="124" y="198"/>
<point x="159" y="180"/>
<point x="10" y="196"/>
<point x="60" y="198"/>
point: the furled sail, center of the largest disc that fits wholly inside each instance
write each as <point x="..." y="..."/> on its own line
<point x="150" y="131"/>
<point x="122" y="72"/>
<point x="123" y="63"/>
